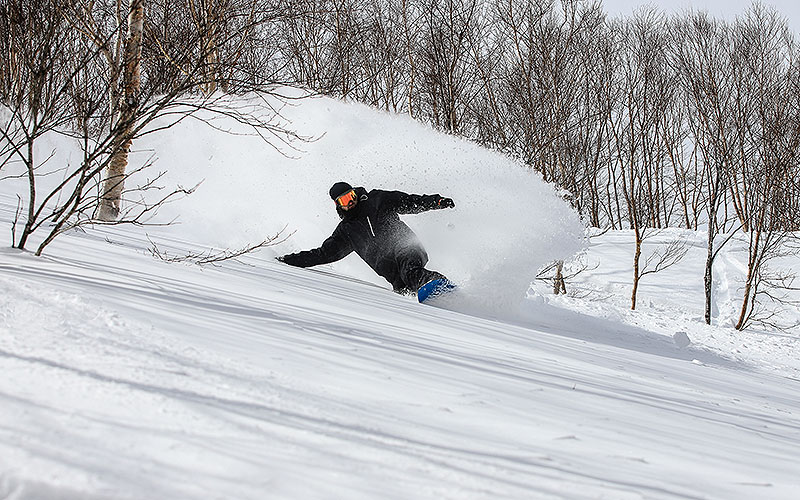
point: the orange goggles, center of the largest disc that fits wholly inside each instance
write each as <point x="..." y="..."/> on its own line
<point x="347" y="199"/>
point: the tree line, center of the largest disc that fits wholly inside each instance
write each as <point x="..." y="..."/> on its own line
<point x="644" y="122"/>
<point x="634" y="117"/>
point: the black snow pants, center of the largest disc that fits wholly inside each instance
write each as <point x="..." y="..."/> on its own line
<point x="412" y="274"/>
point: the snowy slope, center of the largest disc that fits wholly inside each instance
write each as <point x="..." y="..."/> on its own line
<point x="127" y="377"/>
<point x="671" y="302"/>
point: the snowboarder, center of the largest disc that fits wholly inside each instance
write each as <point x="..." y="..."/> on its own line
<point x="370" y="226"/>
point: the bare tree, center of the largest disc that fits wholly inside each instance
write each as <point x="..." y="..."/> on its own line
<point x="65" y="91"/>
<point x="533" y="36"/>
<point x="35" y="82"/>
<point x="637" y="131"/>
<point x="703" y="60"/>
<point x="559" y="273"/>
<point x="444" y="60"/>
<point x="763" y="62"/>
<point x="208" y="18"/>
<point x="410" y="36"/>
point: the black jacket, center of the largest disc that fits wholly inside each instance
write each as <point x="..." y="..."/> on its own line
<point x="373" y="230"/>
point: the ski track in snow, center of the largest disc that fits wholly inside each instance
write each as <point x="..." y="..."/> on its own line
<point x="125" y="377"/>
<point x="252" y="378"/>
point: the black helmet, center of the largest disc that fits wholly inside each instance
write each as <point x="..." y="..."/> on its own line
<point x="339" y="189"/>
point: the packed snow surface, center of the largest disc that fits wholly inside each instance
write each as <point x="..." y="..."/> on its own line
<point x="127" y="377"/>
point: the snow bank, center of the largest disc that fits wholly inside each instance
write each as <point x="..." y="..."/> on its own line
<point x="507" y="222"/>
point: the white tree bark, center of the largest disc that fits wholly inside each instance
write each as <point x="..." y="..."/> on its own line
<point x="114" y="182"/>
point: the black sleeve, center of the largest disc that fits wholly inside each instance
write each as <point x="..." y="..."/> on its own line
<point x="404" y="203"/>
<point x="336" y="247"/>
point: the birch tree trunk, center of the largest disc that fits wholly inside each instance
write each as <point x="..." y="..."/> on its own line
<point x="113" y="184"/>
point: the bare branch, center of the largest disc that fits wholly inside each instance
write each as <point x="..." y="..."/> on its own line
<point x="213" y="256"/>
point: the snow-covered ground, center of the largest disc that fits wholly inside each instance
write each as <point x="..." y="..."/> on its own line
<point x="670" y="303"/>
<point x="125" y="377"/>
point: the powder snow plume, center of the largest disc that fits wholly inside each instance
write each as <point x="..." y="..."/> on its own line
<point x="506" y="225"/>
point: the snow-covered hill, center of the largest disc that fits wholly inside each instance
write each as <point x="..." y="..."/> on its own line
<point x="127" y="377"/>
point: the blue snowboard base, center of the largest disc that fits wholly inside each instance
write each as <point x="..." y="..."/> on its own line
<point x="435" y="288"/>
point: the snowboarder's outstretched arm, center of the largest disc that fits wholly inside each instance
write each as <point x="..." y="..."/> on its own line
<point x="405" y="203"/>
<point x="336" y="247"/>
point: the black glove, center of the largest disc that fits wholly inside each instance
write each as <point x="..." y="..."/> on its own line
<point x="280" y="258"/>
<point x="446" y="203"/>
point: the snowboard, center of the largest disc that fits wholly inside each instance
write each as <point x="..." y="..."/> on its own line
<point x="435" y="288"/>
